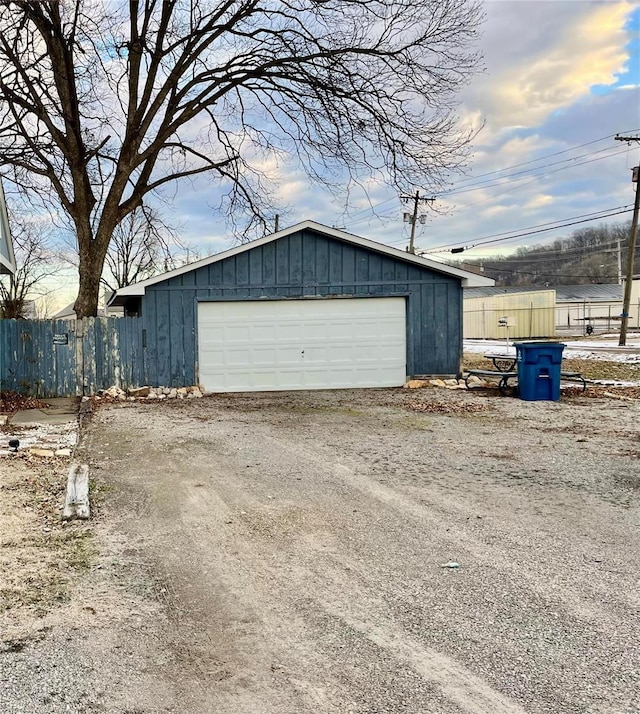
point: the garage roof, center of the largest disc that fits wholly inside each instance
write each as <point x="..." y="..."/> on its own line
<point x="468" y="279"/>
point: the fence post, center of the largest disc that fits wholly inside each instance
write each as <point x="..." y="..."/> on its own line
<point x="79" y="349"/>
<point x="113" y="342"/>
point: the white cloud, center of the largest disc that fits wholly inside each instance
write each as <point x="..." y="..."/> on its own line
<point x="566" y="48"/>
<point x="493" y="211"/>
<point x="539" y="201"/>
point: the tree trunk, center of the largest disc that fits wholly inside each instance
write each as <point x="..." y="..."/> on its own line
<point x="92" y="251"/>
<point x="86" y="304"/>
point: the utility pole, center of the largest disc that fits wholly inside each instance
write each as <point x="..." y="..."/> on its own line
<point x="626" y="300"/>
<point x="277" y="226"/>
<point x="413" y="217"/>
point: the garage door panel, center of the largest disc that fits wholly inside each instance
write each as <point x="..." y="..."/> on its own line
<point x="217" y="335"/>
<point x="264" y="333"/>
<point x="240" y="358"/>
<point x="286" y="356"/>
<point x="263" y="356"/>
<point x="385" y="352"/>
<point x="291" y="331"/>
<point x="301" y="344"/>
<point x="236" y="333"/>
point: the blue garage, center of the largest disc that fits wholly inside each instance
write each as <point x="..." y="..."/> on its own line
<point x="309" y="307"/>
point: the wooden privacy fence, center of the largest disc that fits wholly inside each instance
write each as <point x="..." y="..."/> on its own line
<point x="63" y="358"/>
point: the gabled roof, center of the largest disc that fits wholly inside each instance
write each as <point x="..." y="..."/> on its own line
<point x="468" y="279"/>
<point x="7" y="258"/>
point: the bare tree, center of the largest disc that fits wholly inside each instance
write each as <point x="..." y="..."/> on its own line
<point x="45" y="306"/>
<point x="102" y="103"/>
<point x="36" y="263"/>
<point x="142" y="245"/>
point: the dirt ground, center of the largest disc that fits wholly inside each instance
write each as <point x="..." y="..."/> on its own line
<point x="254" y="554"/>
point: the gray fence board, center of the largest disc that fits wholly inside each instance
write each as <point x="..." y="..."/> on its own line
<point x="99" y="352"/>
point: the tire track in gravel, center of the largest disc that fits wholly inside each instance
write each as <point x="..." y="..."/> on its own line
<point x="364" y="613"/>
<point x="299" y="582"/>
<point x="474" y="548"/>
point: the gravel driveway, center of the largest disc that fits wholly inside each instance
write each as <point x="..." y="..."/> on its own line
<point x="261" y="554"/>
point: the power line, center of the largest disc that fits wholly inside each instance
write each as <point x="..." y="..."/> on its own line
<point x="371" y="208"/>
<point x="531" y="230"/>
<point x="543" y="171"/>
<point x="507" y="190"/>
<point x="553" y="228"/>
<point x="542" y="273"/>
<point x="544" y="254"/>
<point x="539" y="168"/>
<point x="498" y="171"/>
<point x="537" y="258"/>
<point x="547" y="156"/>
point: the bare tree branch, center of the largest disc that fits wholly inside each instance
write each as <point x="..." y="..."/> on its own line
<point x="142" y="246"/>
<point x="102" y="103"/>
<point x="36" y="262"/>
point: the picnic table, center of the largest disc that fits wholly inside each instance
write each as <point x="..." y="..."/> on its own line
<point x="504" y="370"/>
<point x="502" y="361"/>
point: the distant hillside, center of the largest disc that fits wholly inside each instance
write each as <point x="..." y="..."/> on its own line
<point x="588" y="255"/>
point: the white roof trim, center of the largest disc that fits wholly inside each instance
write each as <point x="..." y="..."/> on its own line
<point x="468" y="279"/>
<point x="7" y="256"/>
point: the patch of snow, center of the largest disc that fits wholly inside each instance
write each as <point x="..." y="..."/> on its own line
<point x="604" y="350"/>
<point x="599" y="349"/>
<point x="48" y="436"/>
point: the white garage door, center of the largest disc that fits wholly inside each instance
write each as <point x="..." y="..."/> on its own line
<point x="301" y="344"/>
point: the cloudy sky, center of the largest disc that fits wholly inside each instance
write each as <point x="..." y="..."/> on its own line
<point x="562" y="78"/>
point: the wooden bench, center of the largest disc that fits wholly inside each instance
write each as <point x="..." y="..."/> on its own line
<point x="503" y="379"/>
<point x="574" y="377"/>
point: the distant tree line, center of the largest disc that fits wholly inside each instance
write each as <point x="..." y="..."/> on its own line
<point x="588" y="255"/>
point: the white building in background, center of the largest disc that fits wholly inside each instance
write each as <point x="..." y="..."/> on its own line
<point x="68" y="313"/>
<point x="545" y="311"/>
<point x="634" y="303"/>
<point x="492" y="313"/>
<point x="7" y="257"/>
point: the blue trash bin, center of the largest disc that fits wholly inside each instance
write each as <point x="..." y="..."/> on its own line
<point x="539" y="368"/>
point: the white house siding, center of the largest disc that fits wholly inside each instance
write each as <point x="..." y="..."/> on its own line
<point x="7" y="257"/>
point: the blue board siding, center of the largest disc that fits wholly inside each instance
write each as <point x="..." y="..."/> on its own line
<point x="300" y="265"/>
<point x="160" y="347"/>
